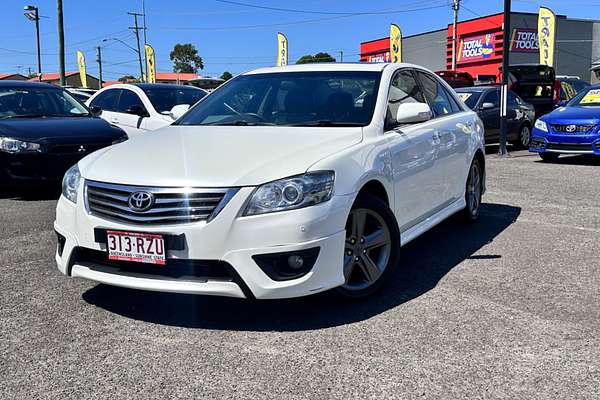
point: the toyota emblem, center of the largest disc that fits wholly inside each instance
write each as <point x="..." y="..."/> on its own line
<point x="571" y="128"/>
<point x="141" y="201"/>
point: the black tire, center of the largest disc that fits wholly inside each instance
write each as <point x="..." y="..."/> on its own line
<point x="358" y="284"/>
<point x="549" y="157"/>
<point x="473" y="192"/>
<point x="524" y="137"/>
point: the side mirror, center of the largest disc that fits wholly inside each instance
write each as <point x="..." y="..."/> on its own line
<point x="487" y="106"/>
<point x="410" y="113"/>
<point x="178" y="110"/>
<point x="96" y="111"/>
<point x="137" y="110"/>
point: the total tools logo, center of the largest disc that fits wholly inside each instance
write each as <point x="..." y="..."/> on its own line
<point x="476" y="48"/>
<point x="524" y="41"/>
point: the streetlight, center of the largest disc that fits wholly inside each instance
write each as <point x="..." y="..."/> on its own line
<point x="134" y="50"/>
<point x="33" y="14"/>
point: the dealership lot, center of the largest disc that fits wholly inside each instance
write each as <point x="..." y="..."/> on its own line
<point x="508" y="308"/>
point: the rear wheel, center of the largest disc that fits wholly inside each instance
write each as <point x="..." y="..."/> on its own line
<point x="549" y="157"/>
<point x="524" y="137"/>
<point x="474" y="191"/>
<point x="372" y="247"/>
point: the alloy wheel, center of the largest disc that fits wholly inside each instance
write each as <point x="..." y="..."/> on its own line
<point x="474" y="190"/>
<point x="525" y="136"/>
<point x="367" y="249"/>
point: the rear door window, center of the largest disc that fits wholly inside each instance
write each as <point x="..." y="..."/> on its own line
<point x="107" y="100"/>
<point x="128" y="100"/>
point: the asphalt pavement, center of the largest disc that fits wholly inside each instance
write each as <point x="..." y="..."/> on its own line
<point x="507" y="308"/>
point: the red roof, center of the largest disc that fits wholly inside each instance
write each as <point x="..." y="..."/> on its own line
<point x="53" y="76"/>
<point x="174" y="76"/>
<point x="4" y="76"/>
<point x="108" y="83"/>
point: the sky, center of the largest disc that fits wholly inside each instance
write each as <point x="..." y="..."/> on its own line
<point x="229" y="35"/>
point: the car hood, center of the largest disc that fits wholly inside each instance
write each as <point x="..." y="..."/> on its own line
<point x="60" y="130"/>
<point x="216" y="156"/>
<point x="574" y="115"/>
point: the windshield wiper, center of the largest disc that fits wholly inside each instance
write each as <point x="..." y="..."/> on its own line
<point x="239" y="122"/>
<point x="326" y="122"/>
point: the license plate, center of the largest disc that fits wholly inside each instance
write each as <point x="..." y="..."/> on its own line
<point x="136" y="247"/>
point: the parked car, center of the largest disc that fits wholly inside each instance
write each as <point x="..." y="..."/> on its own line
<point x="279" y="184"/>
<point x="537" y="85"/>
<point x="81" y="94"/>
<point x="456" y="79"/>
<point x="143" y="107"/>
<point x="573" y="129"/>
<point x="570" y="86"/>
<point x="485" y="100"/>
<point x="44" y="131"/>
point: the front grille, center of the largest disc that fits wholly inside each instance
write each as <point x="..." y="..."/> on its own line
<point x="572" y="128"/>
<point x="189" y="270"/>
<point x="171" y="205"/>
<point x="570" y="147"/>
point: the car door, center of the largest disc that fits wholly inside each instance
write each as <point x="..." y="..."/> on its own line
<point x="107" y="101"/>
<point x="412" y="148"/>
<point x="131" y="113"/>
<point x="490" y="116"/>
<point x="453" y="126"/>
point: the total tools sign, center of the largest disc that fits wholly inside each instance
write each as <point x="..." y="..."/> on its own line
<point x="476" y="48"/>
<point x="524" y="40"/>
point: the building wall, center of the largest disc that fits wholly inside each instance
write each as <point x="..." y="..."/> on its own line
<point x="427" y="50"/>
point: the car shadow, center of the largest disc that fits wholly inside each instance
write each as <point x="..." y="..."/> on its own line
<point x="582" y="159"/>
<point x="32" y="192"/>
<point x="424" y="262"/>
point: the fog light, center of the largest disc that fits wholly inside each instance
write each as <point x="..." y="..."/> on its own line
<point x="288" y="265"/>
<point x="60" y="243"/>
<point x="295" y="262"/>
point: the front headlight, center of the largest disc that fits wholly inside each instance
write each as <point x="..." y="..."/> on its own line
<point x="10" y="145"/>
<point x="291" y="193"/>
<point x="541" y="125"/>
<point x="70" y="183"/>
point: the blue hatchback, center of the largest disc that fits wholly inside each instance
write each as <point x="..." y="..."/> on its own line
<point x="572" y="129"/>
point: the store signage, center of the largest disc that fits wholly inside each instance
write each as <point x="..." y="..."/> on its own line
<point x="524" y="40"/>
<point x="379" y="57"/>
<point x="475" y="48"/>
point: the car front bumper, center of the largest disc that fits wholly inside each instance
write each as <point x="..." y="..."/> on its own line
<point x="228" y="239"/>
<point x="35" y="167"/>
<point x="553" y="142"/>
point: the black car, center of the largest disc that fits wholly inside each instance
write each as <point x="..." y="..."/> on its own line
<point x="44" y="131"/>
<point x="537" y="85"/>
<point x="485" y="100"/>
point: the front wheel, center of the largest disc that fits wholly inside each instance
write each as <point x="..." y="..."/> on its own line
<point x="372" y="247"/>
<point x="524" y="137"/>
<point x="474" y="191"/>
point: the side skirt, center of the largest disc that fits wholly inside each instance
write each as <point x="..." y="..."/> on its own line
<point x="428" y="223"/>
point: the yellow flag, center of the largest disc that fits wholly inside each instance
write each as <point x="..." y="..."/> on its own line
<point x="395" y="44"/>
<point x="546" y="30"/>
<point x="282" y="50"/>
<point x="150" y="63"/>
<point x="82" y="71"/>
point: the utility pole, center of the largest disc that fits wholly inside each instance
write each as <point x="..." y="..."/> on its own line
<point x="33" y="14"/>
<point x="61" y="42"/>
<point x="136" y="28"/>
<point x="341" y="55"/>
<point x="99" y="60"/>
<point x="503" y="152"/>
<point x="145" y="37"/>
<point x="455" y="8"/>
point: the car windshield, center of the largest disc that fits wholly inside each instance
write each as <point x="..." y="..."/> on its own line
<point x="164" y="99"/>
<point x="469" y="98"/>
<point x="38" y="102"/>
<point x="587" y="98"/>
<point x="325" y="98"/>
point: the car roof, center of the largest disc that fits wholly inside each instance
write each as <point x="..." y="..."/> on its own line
<point x="482" y="88"/>
<point x="163" y="86"/>
<point x="27" y="84"/>
<point x="323" y="67"/>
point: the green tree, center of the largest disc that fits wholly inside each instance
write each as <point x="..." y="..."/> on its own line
<point x="185" y="58"/>
<point x="317" y="58"/>
<point x="226" y="76"/>
<point x="127" y="78"/>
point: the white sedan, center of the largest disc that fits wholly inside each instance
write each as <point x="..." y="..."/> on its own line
<point x="138" y="108"/>
<point x="284" y="182"/>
